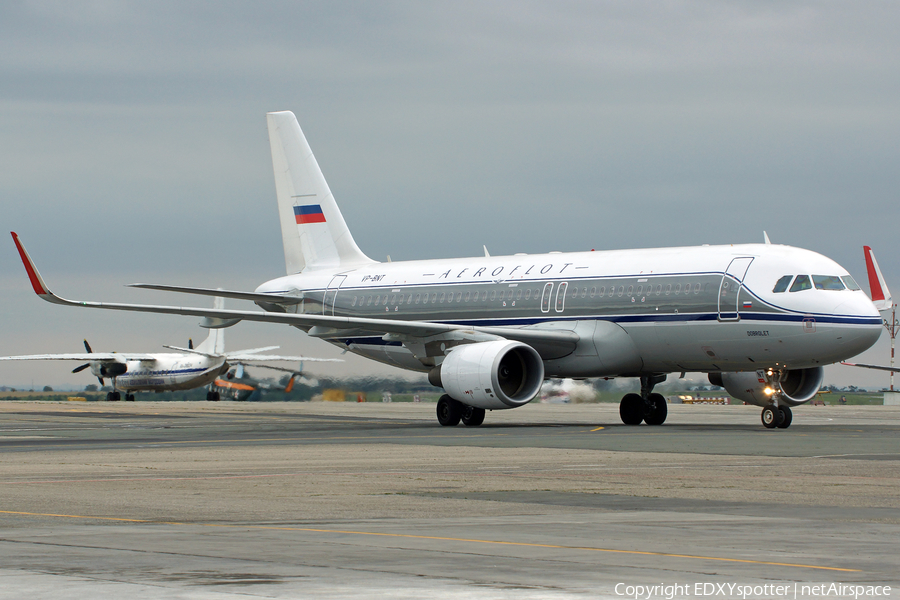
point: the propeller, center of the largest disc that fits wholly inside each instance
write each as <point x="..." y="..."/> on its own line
<point x="81" y="368"/>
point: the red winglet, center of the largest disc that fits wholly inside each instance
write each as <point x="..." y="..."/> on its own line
<point x="36" y="282"/>
<point x="874" y="280"/>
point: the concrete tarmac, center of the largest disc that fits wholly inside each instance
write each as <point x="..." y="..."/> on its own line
<point x="325" y="500"/>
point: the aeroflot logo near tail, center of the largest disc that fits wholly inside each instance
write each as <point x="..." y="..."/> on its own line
<point x="311" y="213"/>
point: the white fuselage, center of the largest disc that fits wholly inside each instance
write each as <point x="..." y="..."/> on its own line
<point x="167" y="372"/>
<point x="701" y="308"/>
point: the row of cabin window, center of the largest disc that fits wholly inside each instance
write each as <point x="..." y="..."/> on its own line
<point x="821" y="282"/>
<point x="516" y="295"/>
<point x="636" y="291"/>
<point x="442" y="297"/>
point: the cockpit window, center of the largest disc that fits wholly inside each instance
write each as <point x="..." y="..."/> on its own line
<point x="850" y="283"/>
<point x="828" y="282"/>
<point x="782" y="284"/>
<point x="801" y="283"/>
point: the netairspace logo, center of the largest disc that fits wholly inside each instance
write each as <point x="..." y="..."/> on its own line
<point x="790" y="591"/>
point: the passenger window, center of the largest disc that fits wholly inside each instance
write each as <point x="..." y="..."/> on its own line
<point x="417" y="298"/>
<point x="433" y="298"/>
<point x="458" y="296"/>
<point x="493" y="295"/>
<point x="442" y="297"/>
<point x="409" y="299"/>
<point x="594" y="292"/>
<point x="425" y="299"/>
<point x="630" y="289"/>
<point x="468" y="296"/>
<point x="528" y="293"/>
<point x="583" y="292"/>
<point x="850" y="283"/>
<point x="827" y="282"/>
<point x="658" y="290"/>
<point x="677" y="288"/>
<point x="696" y="288"/>
<point x="393" y="299"/>
<point x="369" y="301"/>
<point x="621" y="290"/>
<point x="782" y="284"/>
<point x="518" y="294"/>
<point x="354" y="301"/>
<point x="801" y="283"/>
<point x="668" y="289"/>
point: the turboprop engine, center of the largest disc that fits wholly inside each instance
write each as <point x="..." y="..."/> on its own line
<point x="792" y="387"/>
<point x="491" y="375"/>
<point x="108" y="368"/>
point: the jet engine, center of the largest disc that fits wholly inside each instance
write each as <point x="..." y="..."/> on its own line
<point x="491" y="375"/>
<point x="792" y="387"/>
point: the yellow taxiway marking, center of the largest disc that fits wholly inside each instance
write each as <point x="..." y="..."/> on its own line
<point x="598" y="429"/>
<point x="444" y="539"/>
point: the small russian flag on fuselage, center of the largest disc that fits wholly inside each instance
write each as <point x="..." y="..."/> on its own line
<point x="747" y="304"/>
<point x="311" y="213"/>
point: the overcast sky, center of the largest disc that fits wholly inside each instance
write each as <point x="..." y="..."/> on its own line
<point x="133" y="143"/>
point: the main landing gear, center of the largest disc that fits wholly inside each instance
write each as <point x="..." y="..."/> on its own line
<point x="450" y="412"/>
<point x="776" y="416"/>
<point x="645" y="407"/>
<point x="212" y="396"/>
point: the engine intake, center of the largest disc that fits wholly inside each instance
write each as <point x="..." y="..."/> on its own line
<point x="491" y="375"/>
<point x="792" y="387"/>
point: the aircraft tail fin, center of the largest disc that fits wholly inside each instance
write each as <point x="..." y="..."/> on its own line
<point x="880" y="294"/>
<point x="215" y="343"/>
<point x="313" y="229"/>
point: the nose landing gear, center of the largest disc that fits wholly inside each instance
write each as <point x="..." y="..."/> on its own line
<point x="776" y="416"/>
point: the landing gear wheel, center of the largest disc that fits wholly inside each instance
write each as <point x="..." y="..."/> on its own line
<point x="631" y="409"/>
<point x="113" y="397"/>
<point x="472" y="417"/>
<point x="449" y="411"/>
<point x="788" y="417"/>
<point x="655" y="410"/>
<point x="212" y="396"/>
<point x="772" y="416"/>
<point x="129" y="397"/>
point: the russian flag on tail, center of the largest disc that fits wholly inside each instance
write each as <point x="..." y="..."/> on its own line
<point x="310" y="213"/>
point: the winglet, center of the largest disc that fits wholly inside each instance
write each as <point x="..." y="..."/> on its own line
<point x="881" y="295"/>
<point x="37" y="282"/>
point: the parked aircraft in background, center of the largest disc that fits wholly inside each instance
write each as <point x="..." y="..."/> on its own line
<point x="761" y="319"/>
<point x="187" y="369"/>
<point x="236" y="385"/>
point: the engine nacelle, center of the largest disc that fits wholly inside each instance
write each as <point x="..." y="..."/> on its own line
<point x="491" y="375"/>
<point x="108" y="368"/>
<point x="791" y="387"/>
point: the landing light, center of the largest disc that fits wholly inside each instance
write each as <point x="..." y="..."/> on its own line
<point x="768" y="391"/>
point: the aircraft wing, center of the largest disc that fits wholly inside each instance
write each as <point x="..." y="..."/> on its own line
<point x="85" y="357"/>
<point x="252" y="296"/>
<point x="880" y="368"/>
<point x="237" y="356"/>
<point x="550" y="341"/>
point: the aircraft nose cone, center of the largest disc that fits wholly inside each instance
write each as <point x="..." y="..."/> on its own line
<point x="865" y="331"/>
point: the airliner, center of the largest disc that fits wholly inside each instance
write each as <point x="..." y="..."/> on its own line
<point x="187" y="369"/>
<point x="761" y="320"/>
